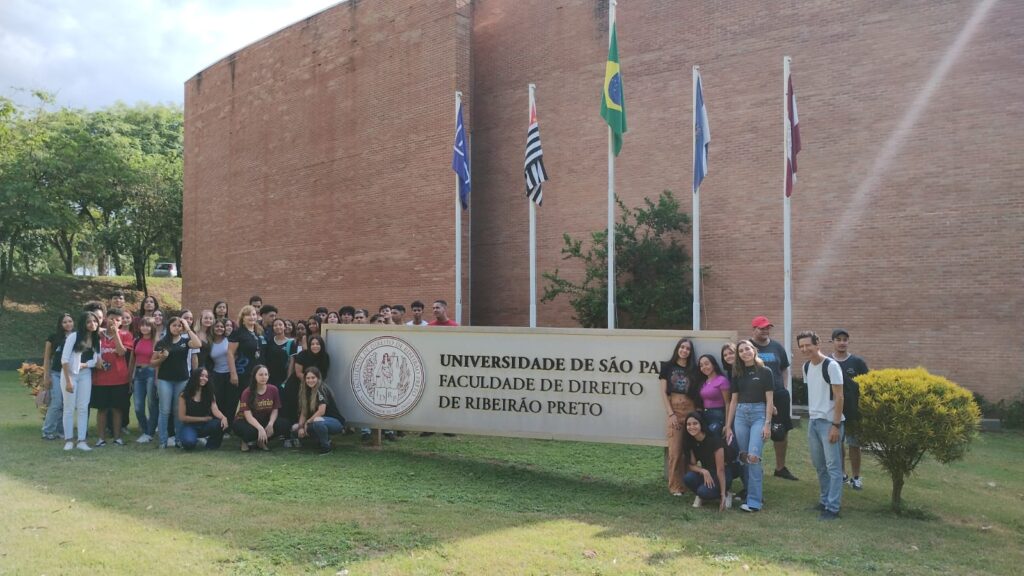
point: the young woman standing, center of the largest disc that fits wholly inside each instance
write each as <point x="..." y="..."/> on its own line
<point x="277" y="353"/>
<point x="144" y="391"/>
<point x="244" y="344"/>
<point x="53" y="424"/>
<point x="677" y="399"/>
<point x="201" y="419"/>
<point x="220" y="310"/>
<point x="318" y="415"/>
<point x="257" y="420"/>
<point x="77" y="361"/>
<point x="713" y="388"/>
<point x="171" y="358"/>
<point x="750" y="416"/>
<point x="148" y="308"/>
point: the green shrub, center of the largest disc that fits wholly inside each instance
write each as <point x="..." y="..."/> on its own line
<point x="909" y="412"/>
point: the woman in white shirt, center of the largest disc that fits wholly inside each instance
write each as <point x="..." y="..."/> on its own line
<point x="77" y="361"/>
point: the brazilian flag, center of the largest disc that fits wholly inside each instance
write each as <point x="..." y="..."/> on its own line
<point x="613" y="104"/>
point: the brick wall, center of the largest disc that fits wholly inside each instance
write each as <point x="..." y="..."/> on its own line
<point x="317" y="162"/>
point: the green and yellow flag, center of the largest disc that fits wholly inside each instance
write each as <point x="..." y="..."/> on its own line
<point x="613" y="104"/>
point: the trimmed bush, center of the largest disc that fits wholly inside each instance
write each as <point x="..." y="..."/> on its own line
<point x="909" y="412"/>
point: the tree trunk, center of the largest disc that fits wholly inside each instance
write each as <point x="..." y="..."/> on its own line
<point x="118" y="263"/>
<point x="101" y="262"/>
<point x="897" y="493"/>
<point x="65" y="244"/>
<point x="177" y="257"/>
<point x="139" y="267"/>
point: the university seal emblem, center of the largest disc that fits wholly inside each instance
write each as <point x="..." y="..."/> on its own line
<point x="387" y="377"/>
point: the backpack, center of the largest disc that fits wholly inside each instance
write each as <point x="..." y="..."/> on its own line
<point x="851" y="391"/>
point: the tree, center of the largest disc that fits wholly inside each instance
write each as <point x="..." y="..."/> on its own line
<point x="652" y="269"/>
<point x="906" y="413"/>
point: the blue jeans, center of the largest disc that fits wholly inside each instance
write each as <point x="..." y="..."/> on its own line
<point x="190" y="433"/>
<point x="322" y="430"/>
<point x="144" y="387"/>
<point x="825" y="456"/>
<point x="169" y="392"/>
<point x="748" y="425"/>
<point x="53" y="424"/>
<point x="715" y="420"/>
<point x="695" y="481"/>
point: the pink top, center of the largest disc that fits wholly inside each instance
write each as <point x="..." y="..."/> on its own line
<point x="711" y="392"/>
<point x="143" y="352"/>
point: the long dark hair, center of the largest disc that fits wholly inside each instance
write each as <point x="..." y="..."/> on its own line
<point x="688" y="440"/>
<point x="252" y="380"/>
<point x="193" y="385"/>
<point x="142" y="305"/>
<point x="168" y="338"/>
<point x="727" y="367"/>
<point x="82" y="332"/>
<point x="689" y="359"/>
<point x="59" y="331"/>
<point x="699" y="378"/>
<point x="321" y="360"/>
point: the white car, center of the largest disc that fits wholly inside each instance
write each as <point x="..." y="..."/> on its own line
<point x="166" y="269"/>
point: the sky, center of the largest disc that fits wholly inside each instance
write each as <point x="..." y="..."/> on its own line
<point x="93" y="53"/>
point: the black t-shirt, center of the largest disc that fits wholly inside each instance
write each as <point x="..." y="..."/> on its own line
<point x="247" y="354"/>
<point x="276" y="357"/>
<point x="201" y="409"/>
<point x="325" y="397"/>
<point x="852" y="367"/>
<point x="56" y="348"/>
<point x="175" y="367"/>
<point x="322" y="361"/>
<point x="676" y="376"/>
<point x="705" y="451"/>
<point x="775" y="358"/>
<point x="752" y="383"/>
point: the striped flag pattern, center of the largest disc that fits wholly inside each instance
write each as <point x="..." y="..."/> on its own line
<point x="534" y="167"/>
<point x="793" y="143"/>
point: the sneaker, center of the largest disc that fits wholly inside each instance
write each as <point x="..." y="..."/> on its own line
<point x="119" y="441"/>
<point x="144" y="439"/>
<point x="728" y="500"/>
<point x="746" y="508"/>
<point x="846" y="479"/>
<point x="697" y="502"/>
<point x="83" y="447"/>
<point x="325" y="450"/>
<point x="101" y="443"/>
<point x="677" y="493"/>
<point x="170" y="442"/>
<point x="245" y="446"/>
<point x="856" y="483"/>
<point x="201" y="443"/>
<point x="49" y="436"/>
<point x="785" y="474"/>
<point x="287" y="443"/>
<point x="828" y="515"/>
<point x="69" y="445"/>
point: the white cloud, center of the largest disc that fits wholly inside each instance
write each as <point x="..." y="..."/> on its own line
<point x="95" y="53"/>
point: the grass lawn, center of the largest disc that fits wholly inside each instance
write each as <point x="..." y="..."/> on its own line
<point x="472" y="505"/>
<point x="34" y="302"/>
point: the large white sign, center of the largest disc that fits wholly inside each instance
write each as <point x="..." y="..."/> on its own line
<point x="569" y="384"/>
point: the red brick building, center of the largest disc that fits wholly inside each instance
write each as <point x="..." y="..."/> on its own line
<point x="317" y="162"/>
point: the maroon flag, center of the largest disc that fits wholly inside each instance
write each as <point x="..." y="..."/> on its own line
<point x="793" y="142"/>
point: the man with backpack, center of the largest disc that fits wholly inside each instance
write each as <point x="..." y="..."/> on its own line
<point x="852" y="367"/>
<point x="825" y="422"/>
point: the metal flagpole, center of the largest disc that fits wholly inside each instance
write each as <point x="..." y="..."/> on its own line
<point x="611" y="195"/>
<point x="787" y="265"/>
<point x="533" y="235"/>
<point x="458" y="225"/>
<point x="695" y="211"/>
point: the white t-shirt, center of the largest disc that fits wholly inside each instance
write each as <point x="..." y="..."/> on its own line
<point x="820" y="403"/>
<point x="413" y="323"/>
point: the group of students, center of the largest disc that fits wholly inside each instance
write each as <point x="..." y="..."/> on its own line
<point x="257" y="376"/>
<point x="722" y="409"/>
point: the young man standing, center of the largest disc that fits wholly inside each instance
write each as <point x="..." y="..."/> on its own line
<point x="256" y="301"/>
<point x="852" y="367"/>
<point x="417" y="315"/>
<point x="776" y="358"/>
<point x="825" y="422"/>
<point x="441" y="314"/>
<point x="360" y="316"/>
<point x="397" y="313"/>
<point x="268" y="313"/>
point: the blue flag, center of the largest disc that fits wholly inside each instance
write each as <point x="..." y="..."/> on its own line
<point x="460" y="159"/>
<point x="701" y="138"/>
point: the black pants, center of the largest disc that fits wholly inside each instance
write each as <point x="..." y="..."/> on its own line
<point x="249" y="433"/>
<point x="227" y="395"/>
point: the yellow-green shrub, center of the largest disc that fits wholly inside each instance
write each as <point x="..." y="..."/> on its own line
<point x="909" y="412"/>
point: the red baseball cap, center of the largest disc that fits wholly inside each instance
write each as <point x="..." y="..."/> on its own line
<point x="761" y="322"/>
